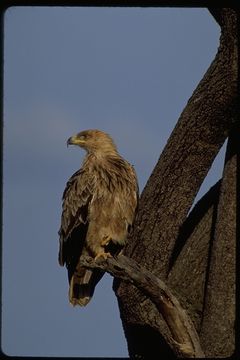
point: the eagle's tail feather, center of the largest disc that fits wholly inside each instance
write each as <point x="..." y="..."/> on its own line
<point x="82" y="285"/>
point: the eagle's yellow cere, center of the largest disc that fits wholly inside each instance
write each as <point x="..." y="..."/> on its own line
<point x="99" y="204"/>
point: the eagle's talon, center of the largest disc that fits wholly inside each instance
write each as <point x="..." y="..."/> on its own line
<point x="103" y="254"/>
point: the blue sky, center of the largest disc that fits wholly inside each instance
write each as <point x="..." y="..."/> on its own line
<point x="127" y="71"/>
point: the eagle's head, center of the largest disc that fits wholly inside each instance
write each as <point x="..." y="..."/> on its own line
<point x="93" y="141"/>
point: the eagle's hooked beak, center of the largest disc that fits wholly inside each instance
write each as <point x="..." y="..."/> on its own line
<point x="74" y="140"/>
<point x="70" y="141"/>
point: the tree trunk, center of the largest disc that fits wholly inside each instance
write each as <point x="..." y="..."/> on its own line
<point x="194" y="255"/>
<point x="218" y="315"/>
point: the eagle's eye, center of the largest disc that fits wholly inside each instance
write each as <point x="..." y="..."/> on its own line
<point x="82" y="137"/>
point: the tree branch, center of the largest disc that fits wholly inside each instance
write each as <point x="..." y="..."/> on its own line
<point x="188" y="155"/>
<point x="184" y="341"/>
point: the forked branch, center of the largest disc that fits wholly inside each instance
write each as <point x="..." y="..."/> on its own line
<point x="184" y="339"/>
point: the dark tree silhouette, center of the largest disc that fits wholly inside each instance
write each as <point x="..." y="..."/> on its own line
<point x="175" y="283"/>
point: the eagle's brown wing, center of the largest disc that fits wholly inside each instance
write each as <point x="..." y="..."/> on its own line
<point x="77" y="198"/>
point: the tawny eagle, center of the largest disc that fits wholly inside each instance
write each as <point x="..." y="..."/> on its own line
<point x="99" y="204"/>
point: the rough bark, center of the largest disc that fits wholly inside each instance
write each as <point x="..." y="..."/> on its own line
<point x="170" y="191"/>
<point x="219" y="301"/>
<point x="195" y="237"/>
<point x="207" y="289"/>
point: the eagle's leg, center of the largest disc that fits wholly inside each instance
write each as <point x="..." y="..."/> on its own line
<point x="106" y="240"/>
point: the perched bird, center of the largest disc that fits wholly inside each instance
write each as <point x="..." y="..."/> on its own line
<point x="99" y="204"/>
